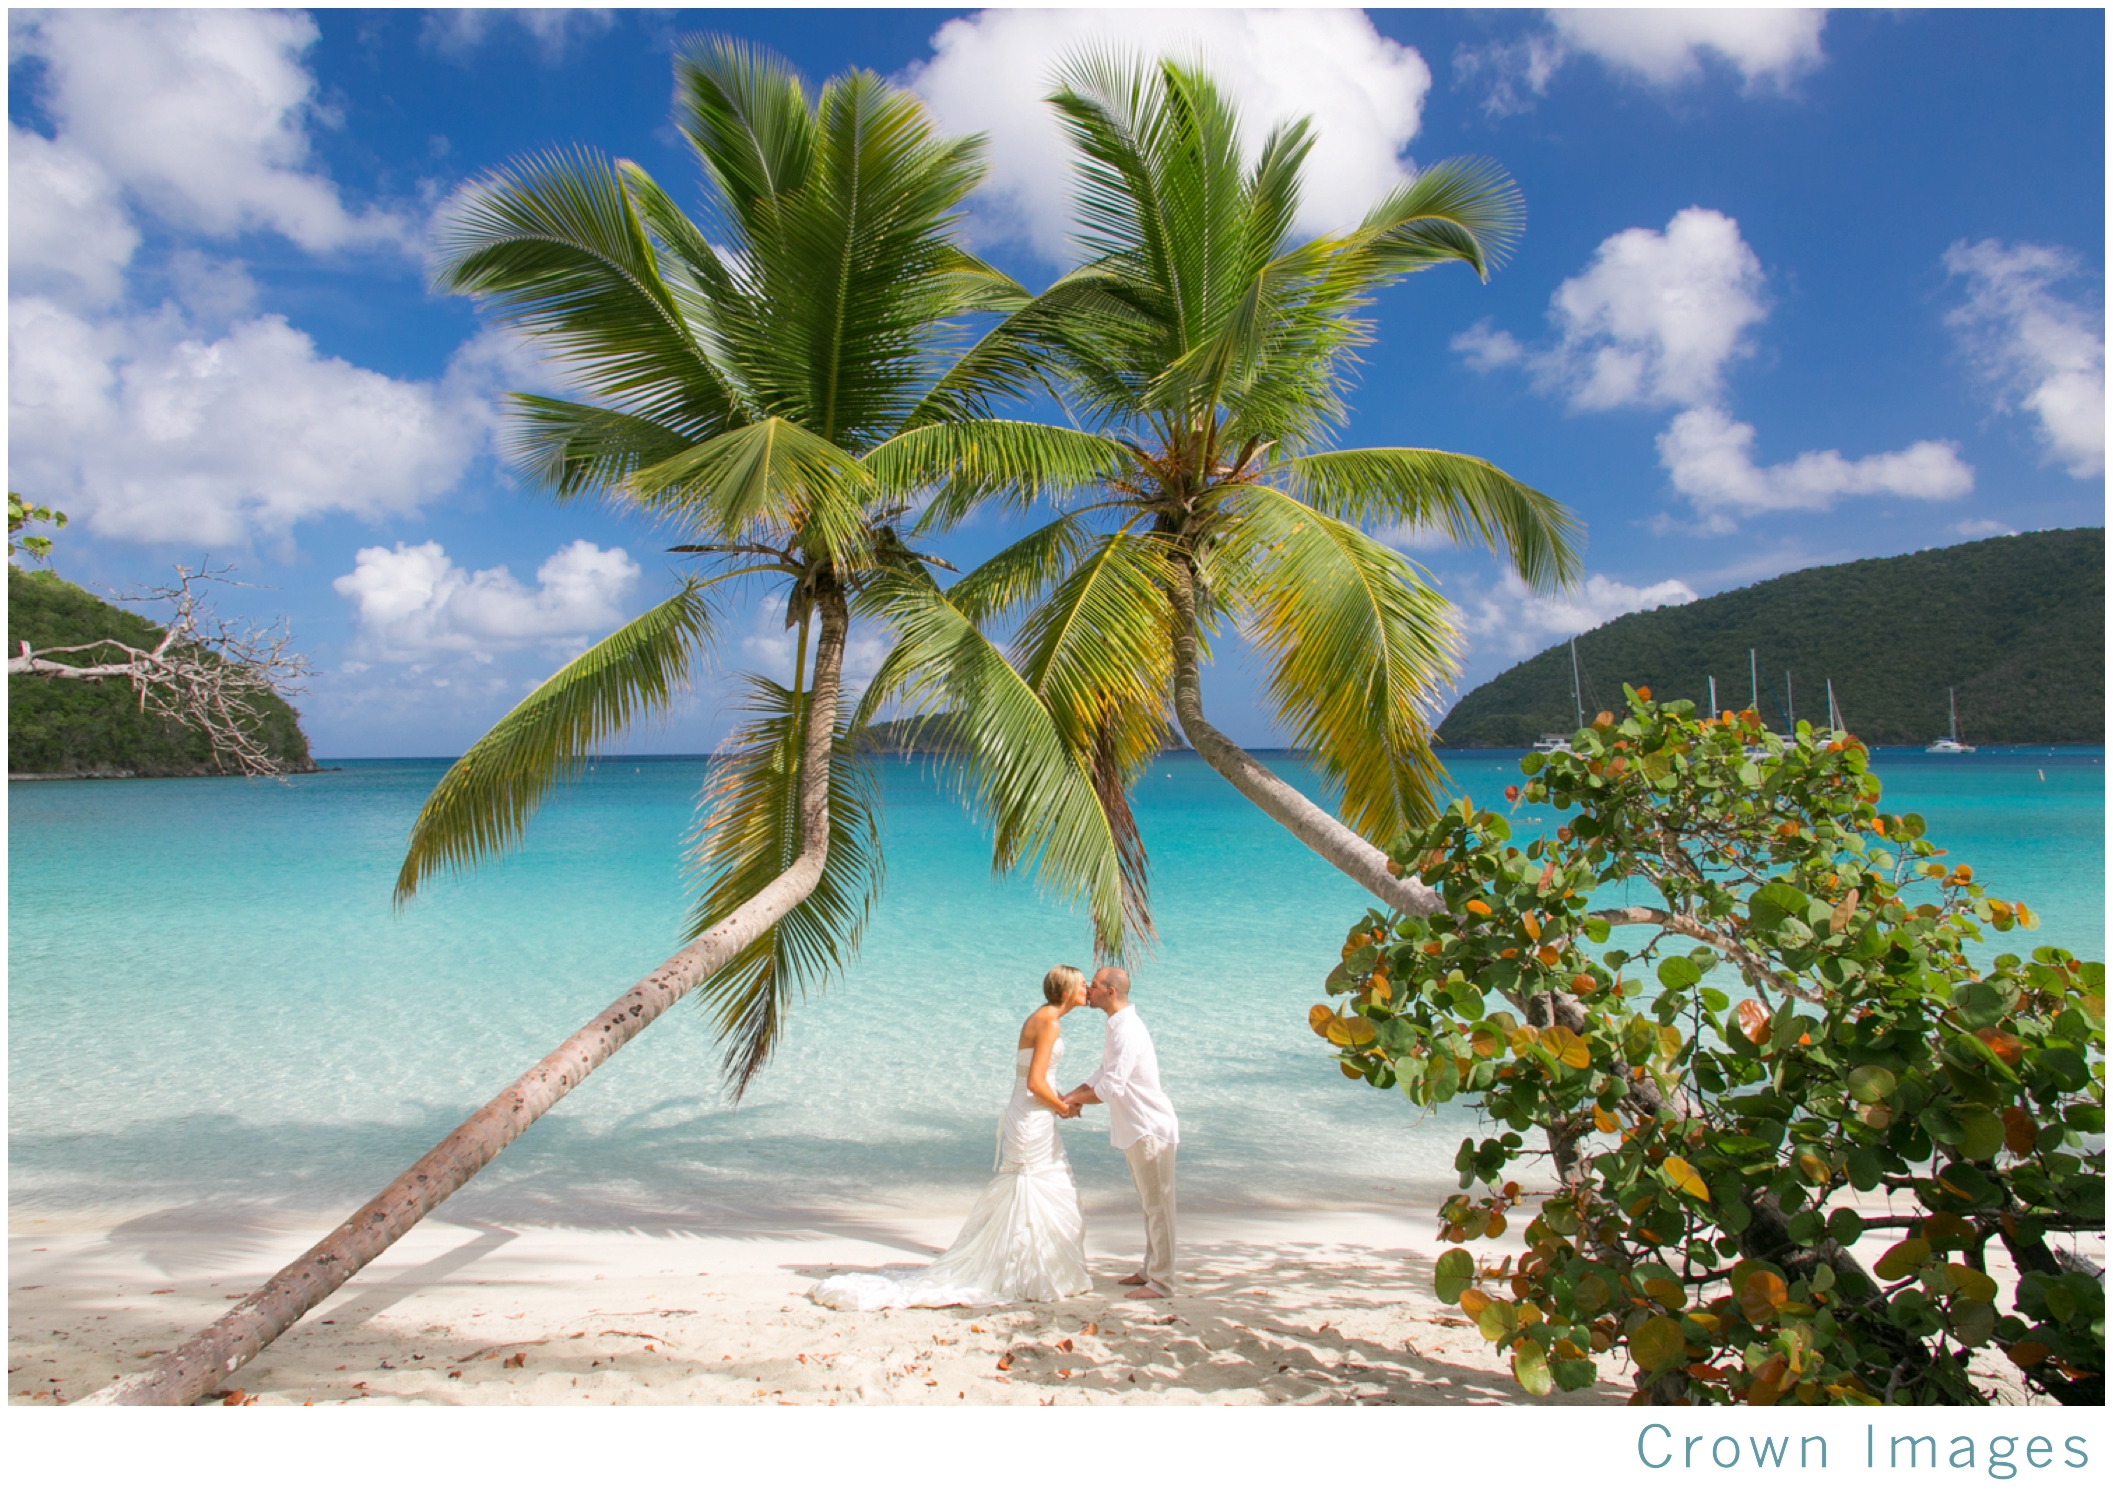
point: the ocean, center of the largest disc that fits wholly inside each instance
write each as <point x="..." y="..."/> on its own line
<point x="215" y="1013"/>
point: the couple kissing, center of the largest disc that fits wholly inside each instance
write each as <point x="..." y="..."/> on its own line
<point x="1024" y="1239"/>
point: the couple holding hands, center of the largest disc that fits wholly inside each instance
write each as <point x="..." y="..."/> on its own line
<point x="1024" y="1240"/>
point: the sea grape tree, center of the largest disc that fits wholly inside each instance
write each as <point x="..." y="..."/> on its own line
<point x="1804" y="1043"/>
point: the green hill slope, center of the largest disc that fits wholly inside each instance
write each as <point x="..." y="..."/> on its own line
<point x="2016" y="624"/>
<point x="97" y="729"/>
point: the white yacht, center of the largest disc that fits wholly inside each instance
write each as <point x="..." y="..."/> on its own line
<point x="1556" y="740"/>
<point x="1950" y="744"/>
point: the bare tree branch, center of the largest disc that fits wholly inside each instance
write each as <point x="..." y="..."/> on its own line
<point x="207" y="674"/>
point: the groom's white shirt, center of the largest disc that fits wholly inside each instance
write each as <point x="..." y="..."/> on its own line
<point x="1127" y="1082"/>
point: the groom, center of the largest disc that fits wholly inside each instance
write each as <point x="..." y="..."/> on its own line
<point x="1141" y="1123"/>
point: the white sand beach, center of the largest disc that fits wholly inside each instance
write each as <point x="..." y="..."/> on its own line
<point x="1305" y="1309"/>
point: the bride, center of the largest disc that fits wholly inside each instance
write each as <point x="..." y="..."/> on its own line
<point x="1025" y="1238"/>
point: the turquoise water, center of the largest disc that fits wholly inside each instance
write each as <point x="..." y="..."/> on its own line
<point x="212" y="1004"/>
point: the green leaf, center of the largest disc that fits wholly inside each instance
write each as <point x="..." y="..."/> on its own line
<point x="1845" y="1227"/>
<point x="483" y="803"/>
<point x="1529" y="1365"/>
<point x="1678" y="972"/>
<point x="1454" y="1275"/>
<point x="1979" y="1005"/>
<point x="1870" y="1084"/>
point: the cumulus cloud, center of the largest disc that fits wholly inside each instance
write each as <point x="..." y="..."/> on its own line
<point x="1653" y="321"/>
<point x="1665" y="49"/>
<point x="1656" y="320"/>
<point x="202" y="115"/>
<point x="990" y="73"/>
<point x="148" y="428"/>
<point x="1513" y="619"/>
<point x="2035" y="347"/>
<point x="415" y="604"/>
<point x="68" y="236"/>
<point x="1710" y="460"/>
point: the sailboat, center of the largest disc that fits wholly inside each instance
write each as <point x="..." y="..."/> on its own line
<point x="1950" y="744"/>
<point x="1556" y="740"/>
<point x="1835" y="724"/>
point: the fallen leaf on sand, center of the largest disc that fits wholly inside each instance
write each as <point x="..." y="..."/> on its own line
<point x="1091" y="1329"/>
<point x="1005" y="1361"/>
<point x="1064" y="1345"/>
<point x="515" y="1361"/>
<point x="233" y="1398"/>
<point x="454" y="1375"/>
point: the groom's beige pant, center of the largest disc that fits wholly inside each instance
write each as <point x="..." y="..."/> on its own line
<point x="1152" y="1170"/>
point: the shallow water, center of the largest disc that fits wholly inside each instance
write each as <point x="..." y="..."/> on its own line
<point x="213" y="1005"/>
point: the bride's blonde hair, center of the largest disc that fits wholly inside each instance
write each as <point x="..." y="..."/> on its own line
<point x="1061" y="980"/>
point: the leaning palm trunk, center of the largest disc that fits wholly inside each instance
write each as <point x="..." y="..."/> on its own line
<point x="203" y="1361"/>
<point x="1308" y="823"/>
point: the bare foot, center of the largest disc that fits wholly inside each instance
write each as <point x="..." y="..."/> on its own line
<point x="1145" y="1292"/>
<point x="1135" y="1279"/>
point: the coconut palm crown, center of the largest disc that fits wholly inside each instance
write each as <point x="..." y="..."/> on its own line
<point x="779" y="385"/>
<point x="1208" y="352"/>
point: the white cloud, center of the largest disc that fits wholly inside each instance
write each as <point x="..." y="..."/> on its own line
<point x="1974" y="531"/>
<point x="2045" y="351"/>
<point x="150" y="429"/>
<point x="1770" y="50"/>
<point x="203" y="115"/>
<point x="1710" y="459"/>
<point x="1656" y="317"/>
<point x="457" y="33"/>
<point x="415" y="603"/>
<point x="1655" y="320"/>
<point x="1514" y="620"/>
<point x="68" y="236"/>
<point x="990" y="72"/>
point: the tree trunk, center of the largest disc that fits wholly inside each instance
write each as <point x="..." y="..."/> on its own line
<point x="206" y="1359"/>
<point x="1309" y="824"/>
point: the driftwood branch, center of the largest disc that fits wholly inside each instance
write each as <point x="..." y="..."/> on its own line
<point x="207" y="674"/>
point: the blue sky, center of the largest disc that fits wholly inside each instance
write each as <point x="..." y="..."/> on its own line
<point x="1795" y="288"/>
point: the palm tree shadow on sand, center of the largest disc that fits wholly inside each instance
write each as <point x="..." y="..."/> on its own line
<point x="1250" y="1318"/>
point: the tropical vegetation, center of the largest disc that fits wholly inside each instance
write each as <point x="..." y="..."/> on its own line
<point x="2015" y="624"/>
<point x="62" y="728"/>
<point x="1813" y="1043"/>
<point x="776" y="384"/>
<point x="1204" y="351"/>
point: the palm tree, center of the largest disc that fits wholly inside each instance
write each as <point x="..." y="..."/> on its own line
<point x="1207" y="353"/>
<point x="780" y="389"/>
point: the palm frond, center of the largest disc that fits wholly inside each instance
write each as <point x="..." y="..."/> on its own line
<point x="484" y="801"/>
<point x="747" y="834"/>
<point x="1097" y="653"/>
<point x="972" y="461"/>
<point x="1358" y="645"/>
<point x="553" y="246"/>
<point x="1469" y="499"/>
<point x="1021" y="573"/>
<point x="1466" y="210"/>
<point x="1004" y="752"/>
<point x="574" y="448"/>
<point x="772" y="475"/>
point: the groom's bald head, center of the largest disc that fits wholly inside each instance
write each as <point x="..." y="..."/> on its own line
<point x="1111" y="988"/>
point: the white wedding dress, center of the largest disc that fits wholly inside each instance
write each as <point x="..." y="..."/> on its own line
<point x="1025" y="1239"/>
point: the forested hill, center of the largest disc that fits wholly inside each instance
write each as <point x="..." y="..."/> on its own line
<point x="2016" y="624"/>
<point x="96" y="729"/>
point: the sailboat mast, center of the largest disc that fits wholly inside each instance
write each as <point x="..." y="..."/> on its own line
<point x="1753" y="668"/>
<point x="1713" y="696"/>
<point x="1577" y="694"/>
<point x="1792" y="700"/>
<point x="1953" y="694"/>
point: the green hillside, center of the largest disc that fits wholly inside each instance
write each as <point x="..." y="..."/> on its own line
<point x="97" y="729"/>
<point x="2016" y="624"/>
